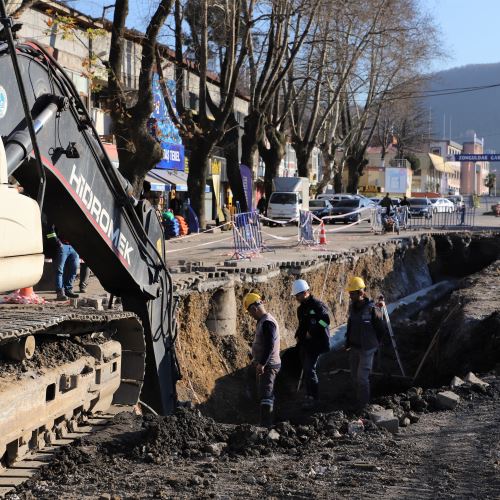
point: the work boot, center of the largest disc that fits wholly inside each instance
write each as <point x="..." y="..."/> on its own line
<point x="61" y="295"/>
<point x="266" y="416"/>
<point x="83" y="289"/>
<point x="308" y="403"/>
<point x="71" y="294"/>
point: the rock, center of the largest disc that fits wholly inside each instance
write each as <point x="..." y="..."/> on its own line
<point x="273" y="435"/>
<point x="214" y="448"/>
<point x="380" y="414"/>
<point x="355" y="427"/>
<point x="456" y="382"/>
<point x="472" y="379"/>
<point x="448" y="400"/>
<point x="417" y="403"/>
<point x="336" y="434"/>
<point x="404" y="422"/>
<point x="105" y="496"/>
<point x="390" y="424"/>
<point x="196" y="480"/>
<point x="250" y="479"/>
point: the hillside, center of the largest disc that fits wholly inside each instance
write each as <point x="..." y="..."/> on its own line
<point x="477" y="111"/>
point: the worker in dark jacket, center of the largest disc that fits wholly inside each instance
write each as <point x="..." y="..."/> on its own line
<point x="365" y="329"/>
<point x="313" y="336"/>
<point x="266" y="361"/>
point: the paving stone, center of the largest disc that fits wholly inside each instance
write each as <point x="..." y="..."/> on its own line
<point x="448" y="400"/>
<point x="5" y="489"/>
<point x="16" y="473"/>
<point x="28" y="464"/>
<point x="380" y="414"/>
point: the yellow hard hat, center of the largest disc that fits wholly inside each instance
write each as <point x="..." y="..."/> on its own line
<point x="249" y="299"/>
<point x="355" y="284"/>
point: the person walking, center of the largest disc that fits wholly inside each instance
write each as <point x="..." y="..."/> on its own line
<point x="387" y="203"/>
<point x="65" y="262"/>
<point x="312" y="335"/>
<point x="365" y="329"/>
<point x="266" y="361"/>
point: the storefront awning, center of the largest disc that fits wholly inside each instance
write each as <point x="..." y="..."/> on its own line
<point x="173" y="178"/>
<point x="439" y="164"/>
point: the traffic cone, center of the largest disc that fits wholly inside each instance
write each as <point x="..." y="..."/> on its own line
<point x="322" y="234"/>
<point x="26" y="292"/>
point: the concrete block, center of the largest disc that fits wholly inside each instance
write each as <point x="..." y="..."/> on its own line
<point x="273" y="435"/>
<point x="448" y="400"/>
<point x="472" y="379"/>
<point x="390" y="424"/>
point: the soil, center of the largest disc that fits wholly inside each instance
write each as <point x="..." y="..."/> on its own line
<point x="446" y="454"/>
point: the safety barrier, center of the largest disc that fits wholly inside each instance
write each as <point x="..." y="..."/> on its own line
<point x="463" y="217"/>
<point x="399" y="216"/>
<point x="247" y="235"/>
<point x="306" y="234"/>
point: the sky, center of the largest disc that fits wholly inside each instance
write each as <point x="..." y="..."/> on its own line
<point x="469" y="28"/>
<point x="469" y="31"/>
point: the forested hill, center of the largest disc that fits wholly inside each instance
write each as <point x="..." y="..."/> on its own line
<point x="477" y="111"/>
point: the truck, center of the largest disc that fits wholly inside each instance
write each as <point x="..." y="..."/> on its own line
<point x="50" y="146"/>
<point x="289" y="196"/>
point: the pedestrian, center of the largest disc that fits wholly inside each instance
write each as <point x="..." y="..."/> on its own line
<point x="262" y="205"/>
<point x="405" y="202"/>
<point x="84" y="276"/>
<point x="227" y="218"/>
<point x="365" y="329"/>
<point x="176" y="204"/>
<point x="266" y="361"/>
<point x="387" y="203"/>
<point x="312" y="335"/>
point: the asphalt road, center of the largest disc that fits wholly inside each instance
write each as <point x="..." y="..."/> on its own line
<point x="215" y="247"/>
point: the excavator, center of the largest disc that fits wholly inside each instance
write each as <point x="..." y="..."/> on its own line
<point x="50" y="146"/>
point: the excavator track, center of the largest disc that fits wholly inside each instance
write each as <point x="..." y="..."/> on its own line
<point x="41" y="403"/>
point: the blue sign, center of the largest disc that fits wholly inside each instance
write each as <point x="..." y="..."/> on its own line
<point x="164" y="130"/>
<point x="474" y="157"/>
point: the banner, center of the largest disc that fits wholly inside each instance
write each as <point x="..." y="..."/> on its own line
<point x="163" y="129"/>
<point x="246" y="179"/>
<point x="216" y="183"/>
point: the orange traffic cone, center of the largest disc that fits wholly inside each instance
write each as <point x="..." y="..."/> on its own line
<point x="26" y="292"/>
<point x="322" y="234"/>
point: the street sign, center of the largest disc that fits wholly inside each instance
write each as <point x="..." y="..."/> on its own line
<point x="474" y="157"/>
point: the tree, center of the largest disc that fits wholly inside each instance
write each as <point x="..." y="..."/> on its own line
<point x="275" y="41"/>
<point x="222" y="44"/>
<point x="490" y="182"/>
<point x="138" y="150"/>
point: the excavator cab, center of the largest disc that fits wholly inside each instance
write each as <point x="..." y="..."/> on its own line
<point x="21" y="249"/>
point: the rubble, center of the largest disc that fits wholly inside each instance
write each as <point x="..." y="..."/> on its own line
<point x="472" y="379"/>
<point x="448" y="400"/>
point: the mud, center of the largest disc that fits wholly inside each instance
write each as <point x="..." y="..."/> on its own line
<point x="146" y="457"/>
<point x="49" y="353"/>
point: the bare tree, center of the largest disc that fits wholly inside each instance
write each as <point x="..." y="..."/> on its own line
<point x="138" y="150"/>
<point x="223" y="43"/>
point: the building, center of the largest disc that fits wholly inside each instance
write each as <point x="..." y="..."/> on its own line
<point x="473" y="174"/>
<point x="450" y="181"/>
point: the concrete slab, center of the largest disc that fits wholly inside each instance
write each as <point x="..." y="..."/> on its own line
<point x="390" y="424"/>
<point x="29" y="464"/>
<point x="11" y="481"/>
<point x="4" y="490"/>
<point x="10" y="472"/>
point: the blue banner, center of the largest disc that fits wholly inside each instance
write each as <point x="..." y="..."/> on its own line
<point x="474" y="157"/>
<point x="246" y="179"/>
<point x="164" y="130"/>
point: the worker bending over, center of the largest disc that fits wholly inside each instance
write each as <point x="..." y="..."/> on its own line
<point x="313" y="336"/>
<point x="365" y="329"/>
<point x="266" y="359"/>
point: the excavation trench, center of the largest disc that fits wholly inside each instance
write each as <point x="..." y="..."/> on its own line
<point x="445" y="282"/>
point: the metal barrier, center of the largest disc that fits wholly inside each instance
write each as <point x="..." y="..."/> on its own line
<point x="247" y="235"/>
<point x="306" y="234"/>
<point x="463" y="217"/>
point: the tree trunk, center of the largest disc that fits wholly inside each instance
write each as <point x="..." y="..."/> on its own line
<point x="197" y="177"/>
<point x="337" y="180"/>
<point x="231" y="148"/>
<point x="303" y="152"/>
<point x="356" y="165"/>
<point x="253" y="133"/>
<point x="272" y="157"/>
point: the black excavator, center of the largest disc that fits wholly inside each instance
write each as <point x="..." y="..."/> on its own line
<point x="50" y="146"/>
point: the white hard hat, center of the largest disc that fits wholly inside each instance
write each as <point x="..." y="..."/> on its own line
<point x="299" y="286"/>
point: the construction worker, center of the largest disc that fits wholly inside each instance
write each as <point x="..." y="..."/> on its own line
<point x="266" y="361"/>
<point x="365" y="329"/>
<point x="313" y="337"/>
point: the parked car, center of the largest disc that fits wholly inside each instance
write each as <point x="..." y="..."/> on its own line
<point x="320" y="208"/>
<point x="420" y="207"/>
<point x="335" y="198"/>
<point x="442" y="205"/>
<point x="348" y="206"/>
<point x="456" y="199"/>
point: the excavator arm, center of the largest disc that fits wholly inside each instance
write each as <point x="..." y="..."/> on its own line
<point x="91" y="204"/>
